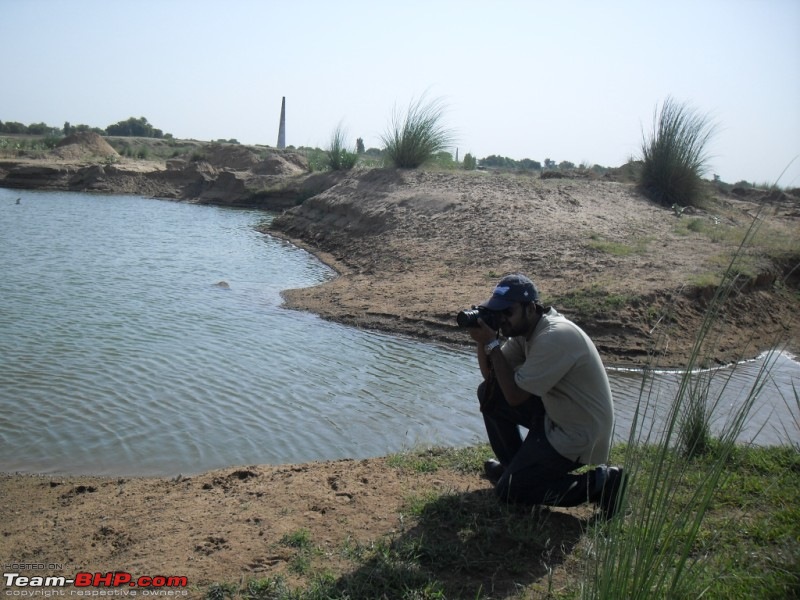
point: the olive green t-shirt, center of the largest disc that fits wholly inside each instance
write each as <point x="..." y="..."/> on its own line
<point x="561" y="365"/>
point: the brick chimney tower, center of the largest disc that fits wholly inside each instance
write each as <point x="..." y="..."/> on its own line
<point x="282" y="127"/>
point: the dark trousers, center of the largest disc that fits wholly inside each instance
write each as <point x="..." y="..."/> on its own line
<point x="535" y="473"/>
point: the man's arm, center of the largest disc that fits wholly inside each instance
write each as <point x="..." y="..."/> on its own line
<point x="483" y="362"/>
<point x="504" y="375"/>
<point x="503" y="372"/>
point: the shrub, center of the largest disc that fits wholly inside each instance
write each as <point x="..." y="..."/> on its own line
<point x="674" y="156"/>
<point x="339" y="158"/>
<point x="417" y="137"/>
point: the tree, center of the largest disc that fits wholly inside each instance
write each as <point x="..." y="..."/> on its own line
<point x="470" y="163"/>
<point x="443" y="159"/>
<point x="498" y="162"/>
<point x="134" y="128"/>
<point x="360" y="146"/>
<point x="41" y="129"/>
<point x="530" y="165"/>
<point x="14" y="127"/>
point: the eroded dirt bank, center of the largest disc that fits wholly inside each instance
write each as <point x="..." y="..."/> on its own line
<point x="414" y="247"/>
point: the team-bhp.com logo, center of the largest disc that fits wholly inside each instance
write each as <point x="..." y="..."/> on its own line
<point x="113" y="583"/>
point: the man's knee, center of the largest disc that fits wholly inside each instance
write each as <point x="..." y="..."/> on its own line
<point x="481" y="391"/>
<point x="484" y="401"/>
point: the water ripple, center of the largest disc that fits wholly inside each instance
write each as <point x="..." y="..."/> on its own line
<point x="120" y="355"/>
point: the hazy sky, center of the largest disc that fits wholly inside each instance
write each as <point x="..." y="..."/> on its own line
<point x="575" y="81"/>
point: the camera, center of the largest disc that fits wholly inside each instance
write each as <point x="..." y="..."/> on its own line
<point x="469" y="318"/>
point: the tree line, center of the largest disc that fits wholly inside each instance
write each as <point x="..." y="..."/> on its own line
<point x="132" y="127"/>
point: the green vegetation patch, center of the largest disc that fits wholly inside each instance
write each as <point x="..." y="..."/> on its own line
<point x="747" y="544"/>
<point x="594" y="300"/>
<point x="37" y="147"/>
<point x="769" y="238"/>
<point x="463" y="460"/>
<point x="637" y="246"/>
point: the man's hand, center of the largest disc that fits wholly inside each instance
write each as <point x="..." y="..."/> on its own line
<point x="504" y="374"/>
<point x="482" y="334"/>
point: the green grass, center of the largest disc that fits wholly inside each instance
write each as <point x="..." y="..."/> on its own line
<point x="597" y="242"/>
<point x="664" y="547"/>
<point x="300" y="540"/>
<point x="772" y="242"/>
<point x="28" y="146"/>
<point x="593" y="300"/>
<point x="743" y="545"/>
<point x="462" y="460"/>
<point x="772" y="239"/>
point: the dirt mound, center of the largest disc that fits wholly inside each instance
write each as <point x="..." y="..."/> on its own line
<point x="243" y="158"/>
<point x="230" y="156"/>
<point x="282" y="163"/>
<point x="82" y="145"/>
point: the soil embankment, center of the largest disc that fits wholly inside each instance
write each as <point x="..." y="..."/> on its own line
<point x="414" y="247"/>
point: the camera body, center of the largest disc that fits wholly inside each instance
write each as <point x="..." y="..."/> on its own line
<point x="469" y="318"/>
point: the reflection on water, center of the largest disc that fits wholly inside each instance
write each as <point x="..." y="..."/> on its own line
<point x="120" y="355"/>
<point x="773" y="419"/>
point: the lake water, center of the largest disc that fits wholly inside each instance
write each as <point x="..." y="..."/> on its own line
<point x="120" y="355"/>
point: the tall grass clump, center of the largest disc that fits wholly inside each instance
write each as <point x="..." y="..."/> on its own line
<point x="654" y="548"/>
<point x="339" y="157"/>
<point x="698" y="401"/>
<point x="792" y="428"/>
<point x="674" y="156"/>
<point x="418" y="136"/>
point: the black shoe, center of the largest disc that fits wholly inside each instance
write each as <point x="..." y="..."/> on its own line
<point x="493" y="470"/>
<point x="613" y="491"/>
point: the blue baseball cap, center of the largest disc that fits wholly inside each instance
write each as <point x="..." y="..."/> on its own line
<point x="510" y="290"/>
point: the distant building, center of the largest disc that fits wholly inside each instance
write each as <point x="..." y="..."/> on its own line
<point x="282" y="126"/>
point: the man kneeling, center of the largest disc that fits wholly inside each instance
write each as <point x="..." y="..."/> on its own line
<point x="548" y="378"/>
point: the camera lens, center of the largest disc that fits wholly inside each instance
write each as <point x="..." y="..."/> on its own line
<point x="467" y="318"/>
